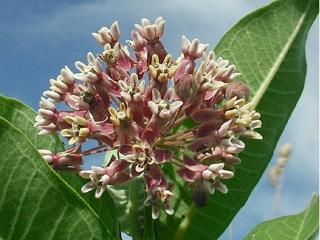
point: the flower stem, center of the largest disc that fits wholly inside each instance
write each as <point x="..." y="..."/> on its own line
<point x="149" y="233"/>
<point x="185" y="223"/>
<point x="133" y="207"/>
<point x="101" y="148"/>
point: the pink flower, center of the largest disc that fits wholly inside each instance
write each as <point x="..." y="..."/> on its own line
<point x="101" y="177"/>
<point x="148" y="110"/>
<point x="158" y="193"/>
<point x="68" y="160"/>
<point x="209" y="175"/>
<point x="164" y="108"/>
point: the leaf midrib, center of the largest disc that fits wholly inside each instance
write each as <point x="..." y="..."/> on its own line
<point x="273" y="71"/>
<point x="306" y="213"/>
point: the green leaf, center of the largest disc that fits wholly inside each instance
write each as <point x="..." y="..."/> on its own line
<point x="35" y="203"/>
<point x="268" y="48"/>
<point x="22" y="117"/>
<point x="304" y="225"/>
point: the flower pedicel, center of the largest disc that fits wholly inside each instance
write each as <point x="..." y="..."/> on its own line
<point x="133" y="102"/>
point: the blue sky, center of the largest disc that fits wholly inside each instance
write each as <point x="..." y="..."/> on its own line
<point x="40" y="37"/>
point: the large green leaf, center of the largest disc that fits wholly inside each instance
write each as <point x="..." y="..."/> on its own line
<point x="22" y="117"/>
<point x="35" y="203"/>
<point x="304" y="225"/>
<point x="268" y="47"/>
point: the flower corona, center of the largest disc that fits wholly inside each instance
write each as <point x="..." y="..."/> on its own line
<point x="136" y="102"/>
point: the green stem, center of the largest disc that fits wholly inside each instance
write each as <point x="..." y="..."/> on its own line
<point x="185" y="223"/>
<point x="133" y="206"/>
<point x="149" y="233"/>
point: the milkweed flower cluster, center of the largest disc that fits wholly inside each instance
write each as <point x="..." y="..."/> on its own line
<point x="135" y="99"/>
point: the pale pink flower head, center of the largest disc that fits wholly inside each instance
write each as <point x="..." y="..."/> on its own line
<point x="151" y="111"/>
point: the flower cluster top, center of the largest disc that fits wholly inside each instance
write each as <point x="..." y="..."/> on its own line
<point x="134" y="100"/>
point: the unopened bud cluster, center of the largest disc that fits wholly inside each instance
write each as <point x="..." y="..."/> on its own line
<point x="132" y="99"/>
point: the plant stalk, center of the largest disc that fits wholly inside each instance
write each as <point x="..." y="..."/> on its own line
<point x="185" y="223"/>
<point x="133" y="206"/>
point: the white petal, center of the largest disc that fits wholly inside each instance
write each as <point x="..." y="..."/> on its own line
<point x="97" y="66"/>
<point x="48" y="158"/>
<point x="44" y="152"/>
<point x="155" y="212"/>
<point x="50" y="127"/>
<point x="140" y="30"/>
<point x="153" y="107"/>
<point x="150" y="32"/>
<point x="100" y="190"/>
<point x="155" y="95"/>
<point x="53" y="95"/>
<point x="105" y="179"/>
<point x="169" y="210"/>
<point x="45" y="103"/>
<point x="184" y="44"/>
<point x="43" y="131"/>
<point x="97" y="170"/>
<point x="114" y="30"/>
<point x="139" y="169"/>
<point x="159" y="20"/>
<point x="226" y="174"/>
<point x="87" y="187"/>
<point x="142" y="86"/>
<point x="147" y="201"/>
<point x="42" y="122"/>
<point x="193" y="48"/>
<point x="47" y="114"/>
<point x="126" y="96"/>
<point x="223" y="130"/>
<point x="175" y="106"/>
<point x="90" y="77"/>
<point x="90" y="57"/>
<point x="145" y="22"/>
<point x="216" y="167"/>
<point x="208" y="185"/>
<point x="80" y="66"/>
<point x="164" y="113"/>
<point x="206" y="174"/>
<point x="67" y="75"/>
<point x="86" y="173"/>
<point x="160" y="29"/>
<point x="97" y="37"/>
<point x="221" y="187"/>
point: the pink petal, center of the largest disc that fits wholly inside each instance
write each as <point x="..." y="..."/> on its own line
<point x="206" y="114"/>
<point x="120" y="178"/>
<point x="164" y="114"/>
<point x="126" y="149"/>
<point x="116" y="166"/>
<point x="210" y="94"/>
<point x="148" y="136"/>
<point x="187" y="175"/>
<point x="162" y="155"/>
<point x="155" y="95"/>
<point x="208" y="128"/>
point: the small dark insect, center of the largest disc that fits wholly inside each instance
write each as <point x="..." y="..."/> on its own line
<point x="200" y="195"/>
<point x="88" y="97"/>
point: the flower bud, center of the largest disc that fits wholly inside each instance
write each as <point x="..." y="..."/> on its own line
<point x="186" y="87"/>
<point x="237" y="89"/>
<point x="200" y="195"/>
